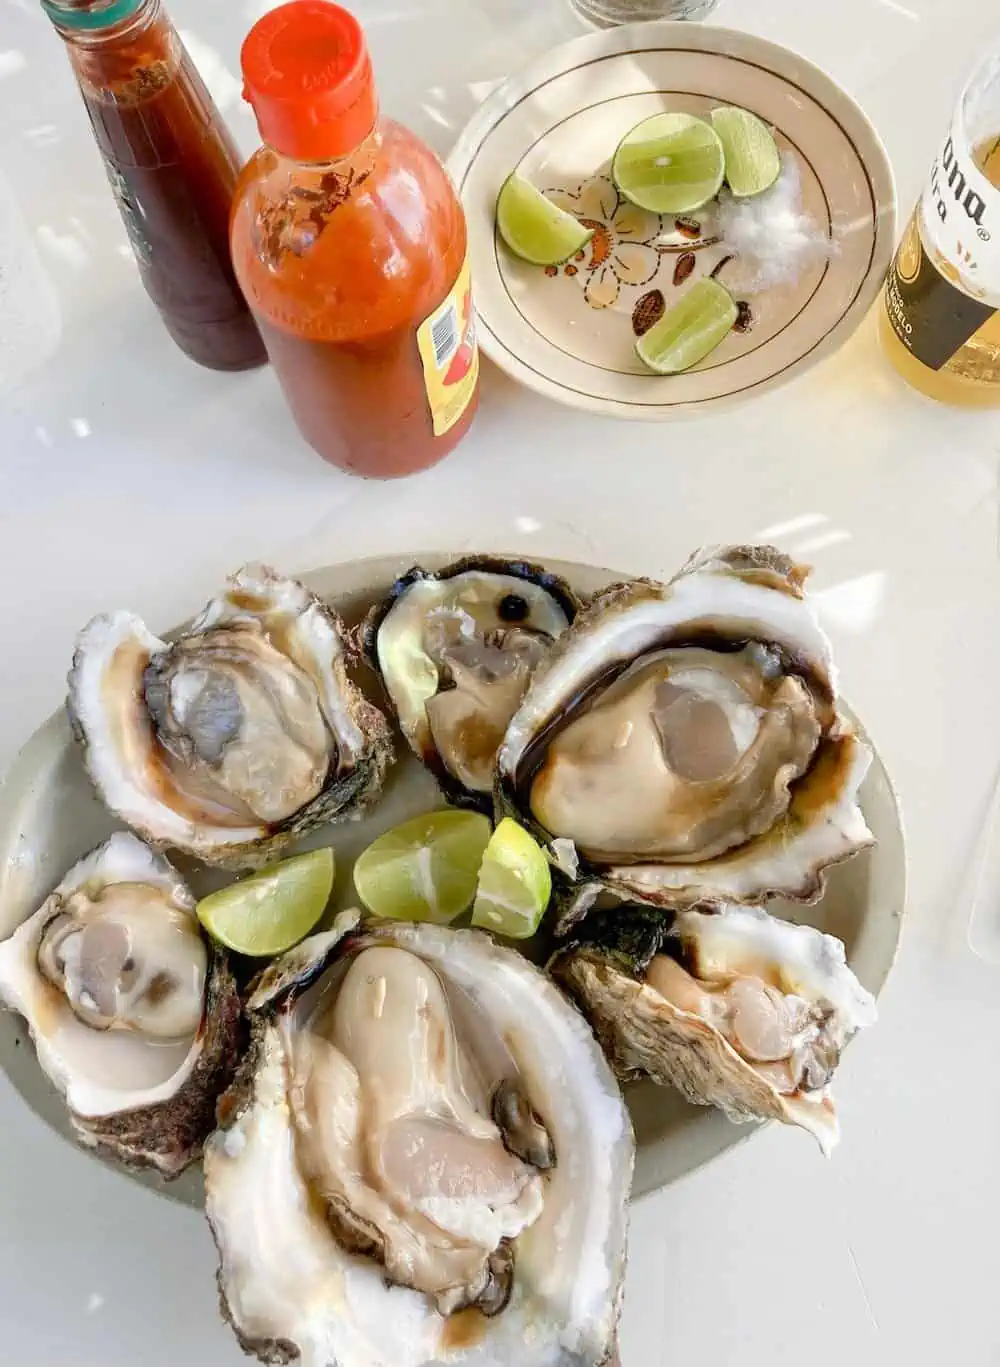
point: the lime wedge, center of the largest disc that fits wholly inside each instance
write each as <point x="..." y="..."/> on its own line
<point x="752" y="160"/>
<point x="534" y="228"/>
<point x="670" y="164"/>
<point x="690" y="330"/>
<point x="272" y="910"/>
<point x="425" y="869"/>
<point x="515" y="883"/>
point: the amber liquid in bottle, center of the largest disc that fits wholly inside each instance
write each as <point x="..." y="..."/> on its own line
<point x="173" y="169"/>
<point x="971" y="377"/>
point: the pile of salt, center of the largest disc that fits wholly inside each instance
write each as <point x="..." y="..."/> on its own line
<point x="774" y="241"/>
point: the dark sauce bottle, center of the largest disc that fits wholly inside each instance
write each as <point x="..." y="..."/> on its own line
<point x="172" y="166"/>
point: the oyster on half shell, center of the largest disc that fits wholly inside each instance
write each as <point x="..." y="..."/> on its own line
<point x="425" y="1158"/>
<point x="456" y="650"/>
<point x="732" y="1006"/>
<point x="243" y="733"/>
<point x="686" y="739"/>
<point x="135" y="1019"/>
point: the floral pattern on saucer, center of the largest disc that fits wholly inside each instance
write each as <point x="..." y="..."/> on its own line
<point x="629" y="247"/>
<point x="623" y="253"/>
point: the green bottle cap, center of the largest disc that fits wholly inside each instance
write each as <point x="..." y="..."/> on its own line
<point x="89" y="14"/>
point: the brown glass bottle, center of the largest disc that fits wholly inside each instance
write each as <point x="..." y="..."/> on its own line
<point x="172" y="166"/>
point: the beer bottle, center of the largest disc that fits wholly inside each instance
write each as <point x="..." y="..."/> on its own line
<point x="940" y="324"/>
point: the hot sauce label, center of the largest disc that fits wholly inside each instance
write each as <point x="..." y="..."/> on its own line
<point x="450" y="356"/>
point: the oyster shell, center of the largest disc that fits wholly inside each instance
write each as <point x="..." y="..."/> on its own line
<point x="425" y="1156"/>
<point x="685" y="738"/>
<point x="240" y="735"/>
<point x="456" y="651"/>
<point x="732" y="1006"/>
<point x="134" y="1017"/>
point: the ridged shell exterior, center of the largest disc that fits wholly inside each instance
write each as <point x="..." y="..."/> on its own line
<point x="171" y="1136"/>
<point x="644" y="1036"/>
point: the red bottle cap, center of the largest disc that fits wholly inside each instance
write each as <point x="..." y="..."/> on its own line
<point x="308" y="76"/>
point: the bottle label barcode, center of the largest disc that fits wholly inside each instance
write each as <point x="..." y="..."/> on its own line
<point x="449" y="354"/>
<point x="444" y="336"/>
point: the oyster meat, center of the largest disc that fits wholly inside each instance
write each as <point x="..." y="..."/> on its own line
<point x="134" y="1017"/>
<point x="456" y="651"/>
<point x="238" y="736"/>
<point x="686" y="739"/>
<point x="425" y="1157"/>
<point x="735" y="1008"/>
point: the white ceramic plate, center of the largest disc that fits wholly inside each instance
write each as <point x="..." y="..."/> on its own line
<point x="49" y="817"/>
<point x="569" y="332"/>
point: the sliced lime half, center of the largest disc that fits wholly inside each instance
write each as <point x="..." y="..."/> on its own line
<point x="753" y="162"/>
<point x="272" y="910"/>
<point x="670" y="164"/>
<point x="515" y="883"/>
<point x="686" y="333"/>
<point x="425" y="869"/>
<point x="534" y="228"/>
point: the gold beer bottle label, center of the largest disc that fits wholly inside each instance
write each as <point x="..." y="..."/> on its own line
<point x="930" y="314"/>
<point x="944" y="283"/>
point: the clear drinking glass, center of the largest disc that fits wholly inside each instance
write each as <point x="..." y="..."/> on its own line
<point x="606" y="13"/>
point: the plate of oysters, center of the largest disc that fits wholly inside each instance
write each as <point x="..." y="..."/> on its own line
<point x="415" y="1137"/>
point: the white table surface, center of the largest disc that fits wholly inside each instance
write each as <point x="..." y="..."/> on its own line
<point x="130" y="478"/>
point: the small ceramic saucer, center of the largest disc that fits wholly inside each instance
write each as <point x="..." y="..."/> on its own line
<point x="569" y="331"/>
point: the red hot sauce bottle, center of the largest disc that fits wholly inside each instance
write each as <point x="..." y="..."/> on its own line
<point x="350" y="244"/>
<point x="172" y="166"/>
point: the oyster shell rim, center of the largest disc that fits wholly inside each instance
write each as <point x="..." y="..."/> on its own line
<point x="166" y="1136"/>
<point x="760" y="567"/>
<point x="584" y="969"/>
<point x="668" y="1149"/>
<point x="572" y="604"/>
<point x="339" y="799"/>
<point x="623" y="593"/>
<point x="276" y="991"/>
<point x="691" y="1055"/>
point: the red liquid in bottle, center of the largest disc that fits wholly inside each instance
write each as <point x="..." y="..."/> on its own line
<point x="350" y="244"/>
<point x="341" y="265"/>
<point x="173" y="169"/>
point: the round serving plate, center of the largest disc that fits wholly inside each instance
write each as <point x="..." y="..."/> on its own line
<point x="49" y="818"/>
<point x="569" y="332"/>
